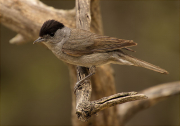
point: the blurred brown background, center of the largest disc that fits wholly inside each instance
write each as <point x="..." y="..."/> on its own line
<point x="35" y="86"/>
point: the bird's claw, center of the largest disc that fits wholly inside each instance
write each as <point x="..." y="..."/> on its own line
<point x="82" y="81"/>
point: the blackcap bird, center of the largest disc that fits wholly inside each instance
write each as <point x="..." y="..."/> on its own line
<point x="84" y="48"/>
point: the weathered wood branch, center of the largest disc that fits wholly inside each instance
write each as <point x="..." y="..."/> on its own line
<point x="83" y="94"/>
<point x="155" y="94"/>
<point x="26" y="17"/>
<point x="84" y="107"/>
<point x="106" y="102"/>
<point x="102" y="82"/>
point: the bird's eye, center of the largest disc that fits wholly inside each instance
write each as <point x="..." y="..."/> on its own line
<point x="51" y="34"/>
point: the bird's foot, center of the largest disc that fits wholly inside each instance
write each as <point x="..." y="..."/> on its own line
<point x="82" y="81"/>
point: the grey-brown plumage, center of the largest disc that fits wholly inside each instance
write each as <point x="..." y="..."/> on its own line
<point x="83" y="48"/>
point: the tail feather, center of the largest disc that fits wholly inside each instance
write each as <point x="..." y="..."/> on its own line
<point x="141" y="63"/>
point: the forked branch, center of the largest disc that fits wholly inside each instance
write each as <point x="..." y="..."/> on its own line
<point x="84" y="107"/>
<point x="26" y="17"/>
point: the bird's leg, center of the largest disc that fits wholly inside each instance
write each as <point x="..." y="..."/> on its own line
<point x="92" y="70"/>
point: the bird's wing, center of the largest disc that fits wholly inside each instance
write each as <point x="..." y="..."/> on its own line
<point x="82" y="42"/>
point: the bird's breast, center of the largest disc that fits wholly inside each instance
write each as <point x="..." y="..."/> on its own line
<point x="95" y="59"/>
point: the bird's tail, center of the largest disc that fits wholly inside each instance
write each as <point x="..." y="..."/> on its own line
<point x="140" y="63"/>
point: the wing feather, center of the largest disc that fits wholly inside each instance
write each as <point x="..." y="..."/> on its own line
<point x="82" y="42"/>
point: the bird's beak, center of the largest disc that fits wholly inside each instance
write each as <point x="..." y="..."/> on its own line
<point x="40" y="39"/>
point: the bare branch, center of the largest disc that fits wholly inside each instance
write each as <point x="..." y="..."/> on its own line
<point x="96" y="19"/>
<point x="115" y="99"/>
<point x="102" y="82"/>
<point x="26" y="17"/>
<point x="155" y="94"/>
<point x="19" y="39"/>
<point x="83" y="19"/>
<point x="84" y="107"/>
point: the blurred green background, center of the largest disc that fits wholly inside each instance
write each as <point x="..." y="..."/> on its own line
<point x="35" y="87"/>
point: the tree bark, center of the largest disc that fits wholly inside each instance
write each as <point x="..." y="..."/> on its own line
<point x="155" y="94"/>
<point x="102" y="82"/>
<point x="26" y="17"/>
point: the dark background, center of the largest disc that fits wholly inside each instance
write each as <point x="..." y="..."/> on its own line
<point x="35" y="87"/>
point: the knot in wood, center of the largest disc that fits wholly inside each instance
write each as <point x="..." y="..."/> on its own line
<point x="83" y="111"/>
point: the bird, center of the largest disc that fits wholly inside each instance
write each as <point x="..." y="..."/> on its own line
<point x="84" y="48"/>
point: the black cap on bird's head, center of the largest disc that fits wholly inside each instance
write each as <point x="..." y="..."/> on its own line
<point x="49" y="28"/>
